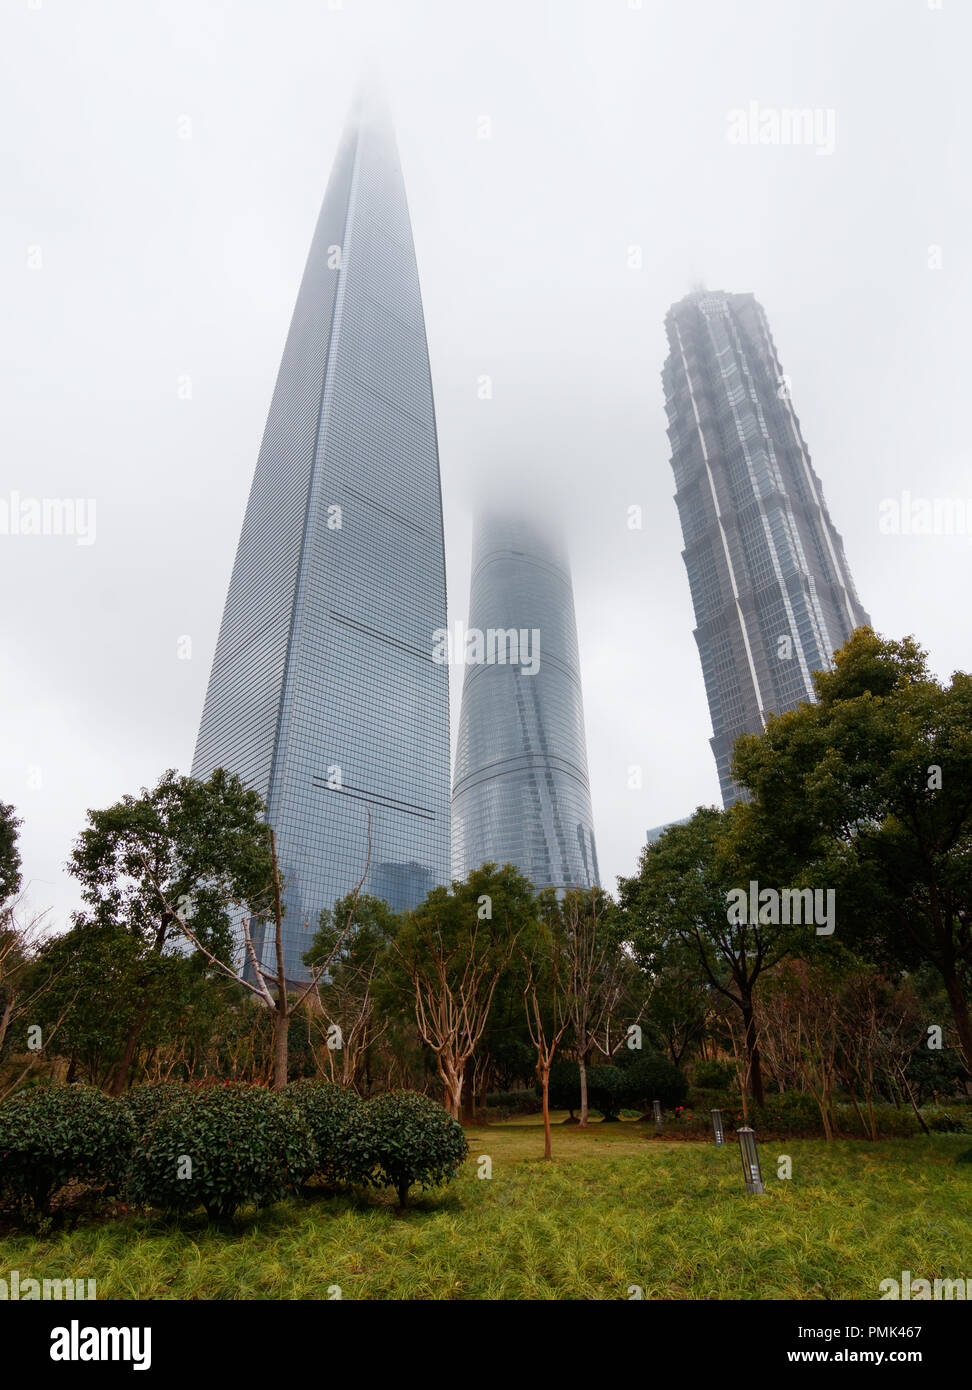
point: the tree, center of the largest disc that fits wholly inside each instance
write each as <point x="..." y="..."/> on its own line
<point x="186" y="850"/>
<point x="870" y="789"/>
<point x="10" y="864"/>
<point x="452" y="951"/>
<point x="346" y="995"/>
<point x="680" y="897"/>
<point x="271" y="987"/>
<point x="598" y="975"/>
<point x="550" y="980"/>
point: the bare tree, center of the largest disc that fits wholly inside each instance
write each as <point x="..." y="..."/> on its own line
<point x="547" y="999"/>
<point x="454" y="983"/>
<point x="21" y="936"/>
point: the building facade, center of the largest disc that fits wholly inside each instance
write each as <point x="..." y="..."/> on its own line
<point x="324" y="695"/>
<point x="770" y="585"/>
<point x="521" y="793"/>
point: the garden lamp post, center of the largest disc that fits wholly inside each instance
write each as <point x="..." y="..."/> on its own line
<point x="750" y="1161"/>
<point x="656" y="1105"/>
<point x="717" y="1129"/>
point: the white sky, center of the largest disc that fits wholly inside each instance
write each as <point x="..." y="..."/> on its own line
<point x="163" y="257"/>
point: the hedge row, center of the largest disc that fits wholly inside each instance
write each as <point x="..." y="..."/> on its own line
<point x="177" y="1147"/>
<point x="634" y="1083"/>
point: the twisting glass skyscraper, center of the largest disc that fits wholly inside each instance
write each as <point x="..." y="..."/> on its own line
<point x="324" y="695"/>
<point x="520" y="790"/>
<point x="772" y="593"/>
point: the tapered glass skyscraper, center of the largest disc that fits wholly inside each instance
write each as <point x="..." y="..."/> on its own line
<point x="772" y="592"/>
<point x="324" y="695"/>
<point x="520" y="790"/>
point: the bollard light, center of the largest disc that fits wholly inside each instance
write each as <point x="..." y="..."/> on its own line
<point x="658" y="1115"/>
<point x="717" y="1129"/>
<point x="750" y="1161"/>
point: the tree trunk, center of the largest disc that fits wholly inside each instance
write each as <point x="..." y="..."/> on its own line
<point x="960" y="1012"/>
<point x="752" y="1052"/>
<point x="281" y="1038"/>
<point x="582" y="1064"/>
<point x="120" y="1077"/>
<point x="545" y="1084"/>
<point x="403" y="1193"/>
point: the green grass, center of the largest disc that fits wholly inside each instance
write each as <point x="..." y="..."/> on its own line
<point x="612" y="1209"/>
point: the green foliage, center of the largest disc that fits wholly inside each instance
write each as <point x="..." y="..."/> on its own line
<point x="866" y="790"/>
<point x="712" y="1076"/>
<point x="564" y="1086"/>
<point x="649" y="1076"/>
<point x="10" y="876"/>
<point x="204" y="844"/>
<point x="147" y="1101"/>
<point x="606" y="1089"/>
<point x="402" y="1138"/>
<point x="943" y="1121"/>
<point x="329" y="1110"/>
<point x="244" y="1145"/>
<point x="792" y="1112"/>
<point x="102" y="982"/>
<point x="522" y="1102"/>
<point x="53" y="1134"/>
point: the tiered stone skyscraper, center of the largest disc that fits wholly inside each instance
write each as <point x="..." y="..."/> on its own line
<point x="521" y="793"/>
<point x="324" y="695"/>
<point x="772" y="593"/>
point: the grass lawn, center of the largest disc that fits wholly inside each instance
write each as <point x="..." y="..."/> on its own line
<point x="612" y="1209"/>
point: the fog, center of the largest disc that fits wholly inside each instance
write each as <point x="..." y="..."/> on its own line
<point x="572" y="169"/>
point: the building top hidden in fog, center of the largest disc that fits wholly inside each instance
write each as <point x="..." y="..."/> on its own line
<point x="521" y="793"/>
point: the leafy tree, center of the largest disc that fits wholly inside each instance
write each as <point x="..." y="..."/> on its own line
<point x="95" y="985"/>
<point x="870" y="790"/>
<point x="10" y="864"/>
<point x="678" y="903"/>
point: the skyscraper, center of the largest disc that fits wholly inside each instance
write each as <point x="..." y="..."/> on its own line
<point x="324" y="695"/>
<point x="520" y="791"/>
<point x="772" y="593"/>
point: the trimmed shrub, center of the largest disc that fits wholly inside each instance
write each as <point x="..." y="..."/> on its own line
<point x="606" y="1091"/>
<point x="564" y="1092"/>
<point x="328" y="1110"/>
<point x="791" y="1112"/>
<point x="402" y="1138"/>
<point x="513" y="1102"/>
<point x="223" y="1147"/>
<point x="650" y="1076"/>
<point x="149" y="1099"/>
<point x="52" y="1135"/>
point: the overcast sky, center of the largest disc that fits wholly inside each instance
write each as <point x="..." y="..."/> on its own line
<point x="163" y="164"/>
